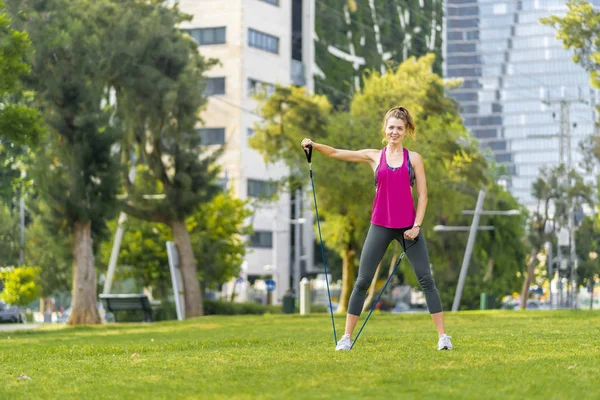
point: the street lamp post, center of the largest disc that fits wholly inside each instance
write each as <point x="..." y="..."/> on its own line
<point x="297" y="253"/>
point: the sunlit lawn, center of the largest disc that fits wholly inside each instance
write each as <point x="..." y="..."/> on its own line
<point x="498" y="355"/>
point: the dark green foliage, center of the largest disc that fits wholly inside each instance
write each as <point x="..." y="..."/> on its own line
<point x="159" y="108"/>
<point x="224" y="308"/>
<point x="76" y="172"/>
<point x="587" y="239"/>
<point x="9" y="237"/>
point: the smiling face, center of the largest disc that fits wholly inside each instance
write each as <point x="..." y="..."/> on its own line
<point x="397" y="124"/>
<point x="395" y="130"/>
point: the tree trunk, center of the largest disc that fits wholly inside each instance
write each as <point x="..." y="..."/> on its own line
<point x="189" y="271"/>
<point x="490" y="270"/>
<point x="528" y="279"/>
<point x="371" y="294"/>
<point x="83" y="306"/>
<point x="347" y="278"/>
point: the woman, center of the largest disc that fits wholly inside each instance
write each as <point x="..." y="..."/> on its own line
<point x="393" y="217"/>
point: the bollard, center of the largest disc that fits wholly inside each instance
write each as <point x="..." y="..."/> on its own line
<point x="304" y="296"/>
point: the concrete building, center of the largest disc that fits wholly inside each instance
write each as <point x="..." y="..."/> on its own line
<point x="516" y="74"/>
<point x="259" y="43"/>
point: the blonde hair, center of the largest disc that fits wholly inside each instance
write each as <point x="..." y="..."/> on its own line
<point x="402" y="113"/>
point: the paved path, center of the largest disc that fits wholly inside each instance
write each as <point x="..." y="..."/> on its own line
<point x="17" y="327"/>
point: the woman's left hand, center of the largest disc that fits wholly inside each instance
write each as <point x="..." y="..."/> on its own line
<point x="412" y="233"/>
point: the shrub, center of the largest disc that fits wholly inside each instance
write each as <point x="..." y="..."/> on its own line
<point x="212" y="307"/>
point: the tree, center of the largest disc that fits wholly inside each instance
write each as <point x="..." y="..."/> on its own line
<point x="217" y="232"/>
<point x="452" y="156"/>
<point x="20" y="127"/>
<point x="159" y="88"/>
<point x="21" y="285"/>
<point x="76" y="174"/>
<point x="555" y="189"/>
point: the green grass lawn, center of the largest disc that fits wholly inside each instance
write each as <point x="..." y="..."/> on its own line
<point x="498" y="355"/>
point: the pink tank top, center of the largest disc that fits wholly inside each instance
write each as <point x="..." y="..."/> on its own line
<point x="393" y="206"/>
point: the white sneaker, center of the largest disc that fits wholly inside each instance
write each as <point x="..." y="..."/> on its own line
<point x="444" y="342"/>
<point x="345" y="343"/>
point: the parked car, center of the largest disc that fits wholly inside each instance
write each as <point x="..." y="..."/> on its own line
<point x="10" y="314"/>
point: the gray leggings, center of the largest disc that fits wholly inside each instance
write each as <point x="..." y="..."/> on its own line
<point x="377" y="242"/>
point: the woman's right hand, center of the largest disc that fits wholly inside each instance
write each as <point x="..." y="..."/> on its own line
<point x="307" y="142"/>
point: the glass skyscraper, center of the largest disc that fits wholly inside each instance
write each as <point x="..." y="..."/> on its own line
<point x="510" y="64"/>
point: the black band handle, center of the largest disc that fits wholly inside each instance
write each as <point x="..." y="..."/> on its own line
<point x="308" y="153"/>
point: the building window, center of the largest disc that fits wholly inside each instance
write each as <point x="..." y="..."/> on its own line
<point x="461" y="48"/>
<point x="209" y="136"/>
<point x="274" y="2"/>
<point x="257" y="87"/>
<point x="462" y="23"/>
<point x="485" y="133"/>
<point x="206" y="36"/>
<point x="472" y="35"/>
<point x="495" y="146"/>
<point x="465" y="96"/>
<point x="258" y="188"/>
<point x="215" y="86"/>
<point x="250" y="132"/>
<point x="263" y="41"/>
<point x="262" y="239"/>
<point x="503" y="158"/>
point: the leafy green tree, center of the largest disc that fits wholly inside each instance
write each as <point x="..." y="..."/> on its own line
<point x="217" y="231"/>
<point x="20" y="128"/>
<point x="159" y="90"/>
<point x="21" y="285"/>
<point x="555" y="189"/>
<point x="76" y="174"/>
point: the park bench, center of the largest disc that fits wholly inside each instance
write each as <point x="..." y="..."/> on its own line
<point x="129" y="302"/>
